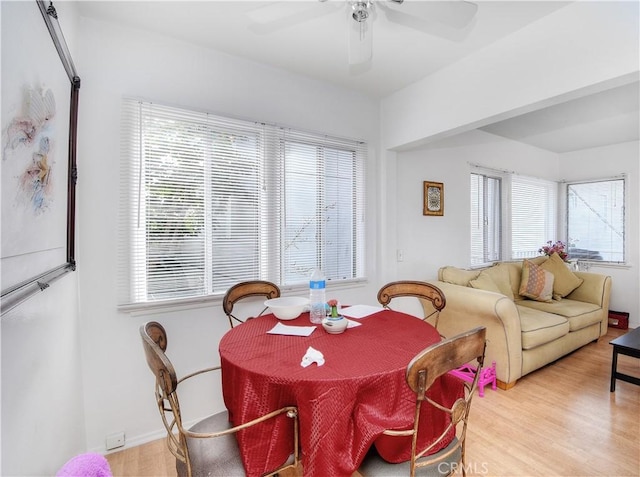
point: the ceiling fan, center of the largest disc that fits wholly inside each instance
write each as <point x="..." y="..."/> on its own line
<point x="361" y="15"/>
<point x="456" y="14"/>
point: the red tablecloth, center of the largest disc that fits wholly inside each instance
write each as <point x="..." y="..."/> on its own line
<point x="343" y="405"/>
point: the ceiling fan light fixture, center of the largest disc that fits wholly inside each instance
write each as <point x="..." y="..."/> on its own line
<point x="360" y="37"/>
<point x="360" y="10"/>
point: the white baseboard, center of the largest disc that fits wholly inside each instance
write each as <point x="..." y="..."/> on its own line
<point x="133" y="442"/>
<point x="141" y="439"/>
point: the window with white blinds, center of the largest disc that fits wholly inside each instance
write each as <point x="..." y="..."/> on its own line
<point x="512" y="216"/>
<point x="534" y="206"/>
<point x="486" y="218"/>
<point x="596" y="220"/>
<point x="208" y="201"/>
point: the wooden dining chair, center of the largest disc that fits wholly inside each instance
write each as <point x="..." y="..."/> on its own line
<point x="243" y="290"/>
<point x="209" y="448"/>
<point x="420" y="290"/>
<point x="422" y="371"/>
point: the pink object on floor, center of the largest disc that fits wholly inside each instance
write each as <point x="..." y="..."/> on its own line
<point x="86" y="465"/>
<point x="487" y="376"/>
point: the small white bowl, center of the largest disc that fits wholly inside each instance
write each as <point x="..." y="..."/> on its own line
<point x="288" y="307"/>
<point x="335" y="326"/>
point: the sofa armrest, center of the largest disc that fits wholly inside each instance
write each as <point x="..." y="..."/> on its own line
<point x="596" y="289"/>
<point x="467" y="308"/>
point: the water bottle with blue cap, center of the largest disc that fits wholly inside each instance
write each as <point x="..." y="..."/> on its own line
<point x="317" y="297"/>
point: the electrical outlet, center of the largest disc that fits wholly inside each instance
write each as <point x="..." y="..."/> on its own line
<point x="115" y="440"/>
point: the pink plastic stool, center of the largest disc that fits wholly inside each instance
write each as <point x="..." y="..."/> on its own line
<point x="487" y="375"/>
<point x="90" y="464"/>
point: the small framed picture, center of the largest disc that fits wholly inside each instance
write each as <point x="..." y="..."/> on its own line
<point x="433" y="202"/>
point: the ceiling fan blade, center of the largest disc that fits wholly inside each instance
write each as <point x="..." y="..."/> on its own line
<point x="452" y="13"/>
<point x="360" y="37"/>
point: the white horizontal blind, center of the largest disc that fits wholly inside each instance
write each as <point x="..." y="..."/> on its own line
<point x="208" y="201"/>
<point x="323" y="211"/>
<point x="512" y="216"/>
<point x="486" y="219"/>
<point x="534" y="205"/>
<point x="596" y="221"/>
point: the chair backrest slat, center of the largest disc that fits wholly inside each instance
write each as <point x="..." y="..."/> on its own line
<point x="425" y="292"/>
<point x="447" y="355"/>
<point x="427" y="366"/>
<point x="243" y="290"/>
<point x="154" y="341"/>
<point x="410" y="288"/>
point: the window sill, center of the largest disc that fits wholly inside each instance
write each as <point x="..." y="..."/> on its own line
<point x="168" y="306"/>
<point x="586" y="265"/>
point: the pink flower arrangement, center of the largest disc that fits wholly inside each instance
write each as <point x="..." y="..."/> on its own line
<point x="558" y="247"/>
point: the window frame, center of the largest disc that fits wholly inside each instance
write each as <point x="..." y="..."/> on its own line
<point x="506" y="215"/>
<point x="625" y="219"/>
<point x="271" y="211"/>
<point x="553" y="230"/>
<point x="486" y="174"/>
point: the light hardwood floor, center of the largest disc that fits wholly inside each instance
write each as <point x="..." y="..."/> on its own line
<point x="558" y="421"/>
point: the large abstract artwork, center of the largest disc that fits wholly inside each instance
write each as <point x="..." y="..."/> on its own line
<point x="39" y="118"/>
<point x="28" y="153"/>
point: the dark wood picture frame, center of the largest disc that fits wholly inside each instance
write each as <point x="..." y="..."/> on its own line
<point x="17" y="293"/>
<point x="433" y="198"/>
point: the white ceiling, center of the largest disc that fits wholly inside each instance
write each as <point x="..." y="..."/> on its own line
<point x="310" y="38"/>
<point x="604" y="118"/>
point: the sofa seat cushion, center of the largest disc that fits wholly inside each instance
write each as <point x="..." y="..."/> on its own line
<point x="539" y="327"/>
<point x="579" y="313"/>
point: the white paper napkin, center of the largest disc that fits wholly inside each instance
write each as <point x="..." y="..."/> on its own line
<point x="360" y="311"/>
<point x="281" y="329"/>
<point x="312" y="356"/>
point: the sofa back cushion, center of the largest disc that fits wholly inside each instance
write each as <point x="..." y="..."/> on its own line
<point x="457" y="276"/>
<point x="500" y="277"/>
<point x="565" y="281"/>
<point x="485" y="282"/>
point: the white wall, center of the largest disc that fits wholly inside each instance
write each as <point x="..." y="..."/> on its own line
<point x="114" y="62"/>
<point x="605" y="162"/>
<point x="430" y="242"/>
<point x="42" y="408"/>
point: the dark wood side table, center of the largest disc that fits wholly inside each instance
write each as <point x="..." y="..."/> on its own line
<point x="629" y="345"/>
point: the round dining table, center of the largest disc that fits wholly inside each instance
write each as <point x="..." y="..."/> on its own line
<point x="343" y="405"/>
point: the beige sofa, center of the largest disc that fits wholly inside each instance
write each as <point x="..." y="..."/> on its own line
<point x="524" y="334"/>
